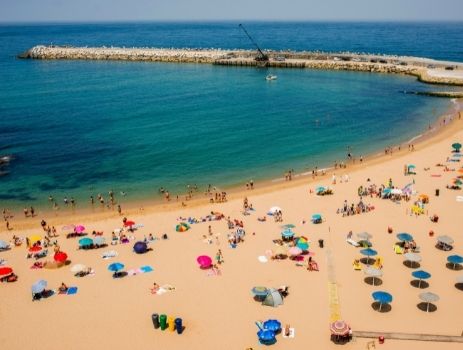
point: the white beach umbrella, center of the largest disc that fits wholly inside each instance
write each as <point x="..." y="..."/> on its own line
<point x="396" y="191"/>
<point x="273" y="210"/>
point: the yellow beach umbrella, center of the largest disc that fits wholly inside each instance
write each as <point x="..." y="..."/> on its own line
<point x="34" y="238"/>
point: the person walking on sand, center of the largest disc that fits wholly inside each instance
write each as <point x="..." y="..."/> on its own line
<point x="219" y="257"/>
<point x="119" y="209"/>
<point x="210" y="230"/>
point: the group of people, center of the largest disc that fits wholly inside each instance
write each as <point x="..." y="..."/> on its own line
<point x="278" y="216"/>
<point x="354" y="209"/>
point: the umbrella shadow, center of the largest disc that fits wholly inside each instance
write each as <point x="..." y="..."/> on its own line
<point x="67" y="262"/>
<point x="367" y="261"/>
<point x="456" y="267"/>
<point x="384" y="307"/>
<point x="339" y="340"/>
<point x="424" y="307"/>
<point x="365" y="244"/>
<point x="120" y="274"/>
<point x="417" y="284"/>
<point x="459" y="286"/>
<point x="411" y="264"/>
<point x="445" y="248"/>
<point x="373" y="281"/>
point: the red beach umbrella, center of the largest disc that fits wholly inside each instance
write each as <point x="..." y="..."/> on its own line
<point x="5" y="271"/>
<point x="60" y="257"/>
<point x="129" y="223"/>
<point x="35" y="249"/>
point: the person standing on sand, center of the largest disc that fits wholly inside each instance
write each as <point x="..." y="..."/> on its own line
<point x="26" y="212"/>
<point x="7" y="225"/>
<point x="119" y="209"/>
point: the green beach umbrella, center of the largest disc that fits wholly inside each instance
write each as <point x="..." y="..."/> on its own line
<point x="456" y="146"/>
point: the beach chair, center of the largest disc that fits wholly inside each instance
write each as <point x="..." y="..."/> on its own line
<point x="352" y="242"/>
<point x="378" y="263"/>
<point x="398" y="249"/>
<point x="357" y="266"/>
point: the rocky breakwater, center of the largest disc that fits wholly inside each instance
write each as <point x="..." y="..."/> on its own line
<point x="123" y="54"/>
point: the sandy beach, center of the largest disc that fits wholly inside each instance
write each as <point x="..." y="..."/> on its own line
<point x="218" y="311"/>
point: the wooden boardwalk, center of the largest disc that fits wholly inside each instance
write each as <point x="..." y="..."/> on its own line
<point x="409" y="336"/>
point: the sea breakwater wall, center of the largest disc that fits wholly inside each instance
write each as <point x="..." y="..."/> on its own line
<point x="426" y="70"/>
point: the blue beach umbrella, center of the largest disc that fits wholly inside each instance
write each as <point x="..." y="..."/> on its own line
<point x="287" y="233"/>
<point x="39" y="286"/>
<point x="404" y="237"/>
<point x="387" y="190"/>
<point x="421" y="275"/>
<point x="272" y="325"/>
<point x="4" y="245"/>
<point x="114" y="267"/>
<point x="140" y="247"/>
<point x="266" y="336"/>
<point x="382" y="298"/>
<point x="368" y="253"/>
<point x="455" y="259"/>
<point x="85" y="242"/>
<point x="320" y="189"/>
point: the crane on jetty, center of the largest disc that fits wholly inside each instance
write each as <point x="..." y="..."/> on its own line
<point x="261" y="57"/>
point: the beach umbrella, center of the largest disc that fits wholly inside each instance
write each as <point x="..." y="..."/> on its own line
<point x="259" y="291"/>
<point x="295" y="251"/>
<point x="396" y="191"/>
<point x="287" y="233"/>
<point x="288" y="226"/>
<point x="428" y="298"/>
<point x="39" y="286"/>
<point x="455" y="259"/>
<point x="4" y="245"/>
<point x="117" y="266"/>
<point x="79" y="229"/>
<point x="273" y="210"/>
<point x="456" y="146"/>
<point x="365" y="236"/>
<point x="5" y="271"/>
<point x="272" y="325"/>
<point x="339" y="328"/>
<point x="35" y="249"/>
<point x="382" y="298"/>
<point x="129" y="223"/>
<point x="34" y="238"/>
<point x="412" y="257"/>
<point x="368" y="253"/>
<point x="302" y="243"/>
<point x="84" y="242"/>
<point x="204" y="261"/>
<point x="411" y="166"/>
<point x="182" y="227"/>
<point x="78" y="268"/>
<point x="99" y="240"/>
<point x="320" y="189"/>
<point x="140" y="247"/>
<point x="445" y="240"/>
<point x="421" y="275"/>
<point x="316" y="217"/>
<point x="404" y="237"/>
<point x="266" y="336"/>
<point x="60" y="257"/>
<point x="373" y="272"/>
<point x="387" y="190"/>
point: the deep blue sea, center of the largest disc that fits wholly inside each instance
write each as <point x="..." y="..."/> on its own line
<point x="77" y="128"/>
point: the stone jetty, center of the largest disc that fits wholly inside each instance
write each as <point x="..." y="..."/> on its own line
<point x="426" y="70"/>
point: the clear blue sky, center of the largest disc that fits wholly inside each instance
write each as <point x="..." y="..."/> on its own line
<point x="133" y="10"/>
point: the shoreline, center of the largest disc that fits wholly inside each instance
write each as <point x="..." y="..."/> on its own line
<point x="436" y="133"/>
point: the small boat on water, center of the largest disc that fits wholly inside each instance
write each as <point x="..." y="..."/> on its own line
<point x="271" y="77"/>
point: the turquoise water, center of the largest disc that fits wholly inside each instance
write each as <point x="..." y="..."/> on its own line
<point x="76" y="129"/>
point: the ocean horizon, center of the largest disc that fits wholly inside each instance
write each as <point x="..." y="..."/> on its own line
<point x="79" y="128"/>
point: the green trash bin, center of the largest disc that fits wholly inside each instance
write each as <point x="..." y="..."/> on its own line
<point x="163" y="321"/>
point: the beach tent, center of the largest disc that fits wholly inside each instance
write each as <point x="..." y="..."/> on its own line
<point x="273" y="298"/>
<point x="182" y="227"/>
<point x="140" y="247"/>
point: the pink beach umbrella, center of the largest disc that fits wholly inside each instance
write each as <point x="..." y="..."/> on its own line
<point x="79" y="229"/>
<point x="295" y="251"/>
<point x="204" y="261"/>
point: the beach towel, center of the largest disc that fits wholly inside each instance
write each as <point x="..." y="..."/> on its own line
<point x="146" y="269"/>
<point x="352" y="242"/>
<point x="110" y="254"/>
<point x="262" y="259"/>
<point x="292" y="333"/>
<point x="72" y="290"/>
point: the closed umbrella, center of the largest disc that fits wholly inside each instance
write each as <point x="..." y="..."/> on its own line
<point x="260" y="291"/>
<point x="404" y="237"/>
<point x="421" y="275"/>
<point x="78" y="268"/>
<point x="5" y="271"/>
<point x="272" y="325"/>
<point x="204" y="261"/>
<point x="373" y="273"/>
<point x="140" y="247"/>
<point x="4" y="245"/>
<point x="85" y="242"/>
<point x="382" y="298"/>
<point x="117" y="266"/>
<point x="60" y="257"/>
<point x="339" y="328"/>
<point x="39" y="286"/>
<point x="455" y="260"/>
<point x="428" y="298"/>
